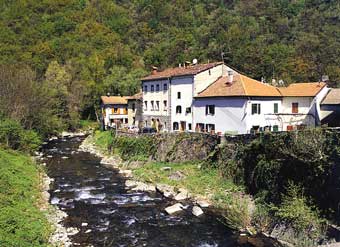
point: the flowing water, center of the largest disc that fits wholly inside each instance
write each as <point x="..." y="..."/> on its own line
<point x="107" y="214"/>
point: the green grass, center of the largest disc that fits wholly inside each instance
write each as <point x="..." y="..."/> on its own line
<point x="103" y="139"/>
<point x="88" y="124"/>
<point x="21" y="222"/>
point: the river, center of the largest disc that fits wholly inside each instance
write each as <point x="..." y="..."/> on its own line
<point x="107" y="214"/>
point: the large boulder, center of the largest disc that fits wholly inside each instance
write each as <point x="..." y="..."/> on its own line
<point x="178" y="207"/>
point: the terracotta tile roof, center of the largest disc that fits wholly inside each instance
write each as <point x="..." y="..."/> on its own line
<point x="135" y="96"/>
<point x="181" y="71"/>
<point x="308" y="89"/>
<point x="113" y="100"/>
<point x="241" y="86"/>
<point x="332" y="98"/>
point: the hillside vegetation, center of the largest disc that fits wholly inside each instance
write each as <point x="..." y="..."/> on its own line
<point x="61" y="55"/>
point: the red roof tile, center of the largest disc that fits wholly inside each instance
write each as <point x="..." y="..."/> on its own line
<point x="307" y="89"/>
<point x="181" y="71"/>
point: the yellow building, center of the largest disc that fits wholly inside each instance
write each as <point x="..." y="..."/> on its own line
<point x="114" y="111"/>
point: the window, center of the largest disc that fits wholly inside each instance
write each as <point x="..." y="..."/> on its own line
<point x="210" y="127"/>
<point x="165" y="87"/>
<point x="115" y="110"/>
<point x="152" y="105"/>
<point x="189" y="126"/>
<point x="276" y="108"/>
<point x="165" y="104"/>
<point x="200" y="127"/>
<point x="157" y="87"/>
<point x="152" y="88"/>
<point x="275" y="128"/>
<point x="133" y="107"/>
<point x="126" y="120"/>
<point x="210" y="110"/>
<point x="178" y="109"/>
<point x="255" y="109"/>
<point x="157" y="105"/>
<point x="178" y="95"/>
<point x="188" y="110"/>
<point x="145" y="105"/>
<point x="125" y="111"/>
<point x="295" y="107"/>
<point x="175" y="126"/>
<point x="145" y="88"/>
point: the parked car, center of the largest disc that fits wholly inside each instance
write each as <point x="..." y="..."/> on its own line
<point x="133" y="129"/>
<point x="149" y="130"/>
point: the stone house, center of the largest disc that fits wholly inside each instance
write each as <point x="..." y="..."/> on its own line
<point x="114" y="111"/>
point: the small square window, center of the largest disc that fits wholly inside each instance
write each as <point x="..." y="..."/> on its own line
<point x="178" y="95"/>
<point x="157" y="87"/>
<point x="295" y="107"/>
<point x="152" y="88"/>
<point x="165" y="87"/>
<point x="255" y="109"/>
<point x="276" y="107"/>
<point x="210" y="110"/>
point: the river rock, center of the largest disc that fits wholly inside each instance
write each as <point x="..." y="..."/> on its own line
<point x="178" y="207"/>
<point x="177" y="176"/>
<point x="130" y="183"/>
<point x="197" y="211"/>
<point x="203" y="203"/>
<point x="84" y="224"/>
<point x="167" y="190"/>
<point x="144" y="187"/>
<point x="182" y="195"/>
<point x="126" y="173"/>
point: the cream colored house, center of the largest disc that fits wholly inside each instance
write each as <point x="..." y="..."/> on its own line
<point x="114" y="111"/>
<point x="135" y="110"/>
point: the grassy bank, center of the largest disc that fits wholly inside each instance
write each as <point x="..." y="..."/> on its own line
<point x="21" y="221"/>
<point x="268" y="183"/>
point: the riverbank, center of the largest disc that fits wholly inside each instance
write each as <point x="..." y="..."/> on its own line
<point x="206" y="189"/>
<point x="292" y="219"/>
<point x="22" y="222"/>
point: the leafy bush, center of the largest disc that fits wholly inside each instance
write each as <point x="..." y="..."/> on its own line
<point x="14" y="136"/>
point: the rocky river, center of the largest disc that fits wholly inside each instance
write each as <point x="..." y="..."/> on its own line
<point x="101" y="211"/>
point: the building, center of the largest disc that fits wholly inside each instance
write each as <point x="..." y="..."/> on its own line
<point x="135" y="110"/>
<point x="114" y="111"/>
<point x="237" y="104"/>
<point x="168" y="95"/>
<point x="301" y="105"/>
<point x="330" y="108"/>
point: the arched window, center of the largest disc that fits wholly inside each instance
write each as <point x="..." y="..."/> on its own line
<point x="178" y="109"/>
<point x="175" y="126"/>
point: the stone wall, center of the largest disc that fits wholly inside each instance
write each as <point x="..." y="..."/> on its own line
<point x="180" y="147"/>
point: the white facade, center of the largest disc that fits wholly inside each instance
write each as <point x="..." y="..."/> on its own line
<point x="115" y="115"/>
<point x="181" y="103"/>
<point x="188" y="87"/>
<point x="156" y="102"/>
<point x="234" y="115"/>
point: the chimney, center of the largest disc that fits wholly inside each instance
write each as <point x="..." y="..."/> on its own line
<point x="154" y="70"/>
<point x="230" y="78"/>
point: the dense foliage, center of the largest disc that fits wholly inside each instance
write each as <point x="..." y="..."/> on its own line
<point x="21" y="222"/>
<point x="12" y="135"/>
<point x="73" y="51"/>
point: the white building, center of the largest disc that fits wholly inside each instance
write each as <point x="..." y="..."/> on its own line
<point x="168" y="95"/>
<point x="237" y="104"/>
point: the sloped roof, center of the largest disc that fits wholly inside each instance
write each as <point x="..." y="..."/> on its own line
<point x="113" y="100"/>
<point x="181" y="71"/>
<point x="332" y="98"/>
<point x="241" y="86"/>
<point x="135" y="96"/>
<point x="306" y="89"/>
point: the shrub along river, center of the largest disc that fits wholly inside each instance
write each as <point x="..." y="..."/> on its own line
<point x="107" y="214"/>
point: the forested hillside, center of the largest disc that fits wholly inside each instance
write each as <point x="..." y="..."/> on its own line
<point x="66" y="53"/>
